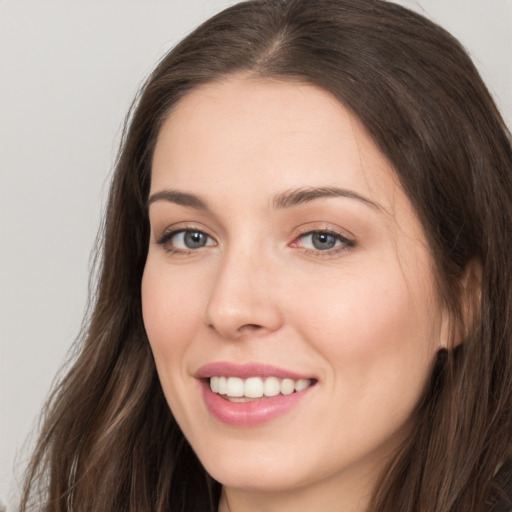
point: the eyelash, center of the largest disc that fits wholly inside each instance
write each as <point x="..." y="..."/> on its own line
<point x="167" y="236"/>
<point x="343" y="243"/>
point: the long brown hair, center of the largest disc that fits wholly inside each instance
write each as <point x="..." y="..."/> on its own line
<point x="109" y="441"/>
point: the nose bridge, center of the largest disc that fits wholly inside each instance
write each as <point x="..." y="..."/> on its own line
<point x="240" y="299"/>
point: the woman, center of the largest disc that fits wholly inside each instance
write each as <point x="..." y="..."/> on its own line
<point x="304" y="300"/>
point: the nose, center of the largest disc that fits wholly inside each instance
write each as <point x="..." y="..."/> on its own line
<point x="242" y="301"/>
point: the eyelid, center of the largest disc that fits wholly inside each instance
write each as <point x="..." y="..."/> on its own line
<point x="323" y="227"/>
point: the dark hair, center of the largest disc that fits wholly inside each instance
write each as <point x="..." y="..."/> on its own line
<point x="109" y="441"/>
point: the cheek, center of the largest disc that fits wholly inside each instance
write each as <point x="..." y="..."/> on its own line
<point x="171" y="312"/>
<point x="375" y="335"/>
<point x="171" y="315"/>
<point x="380" y="330"/>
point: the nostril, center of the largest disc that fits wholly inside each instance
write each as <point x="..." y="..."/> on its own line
<point x="242" y="328"/>
<point x="249" y="327"/>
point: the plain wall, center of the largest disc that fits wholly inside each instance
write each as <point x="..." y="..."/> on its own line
<point x="68" y="73"/>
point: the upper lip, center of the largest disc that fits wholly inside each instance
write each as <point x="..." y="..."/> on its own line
<point x="246" y="370"/>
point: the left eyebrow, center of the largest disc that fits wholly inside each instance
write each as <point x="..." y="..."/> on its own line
<point x="290" y="198"/>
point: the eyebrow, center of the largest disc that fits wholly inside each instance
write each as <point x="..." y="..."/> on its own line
<point x="298" y="196"/>
<point x="286" y="199"/>
<point x="181" y="198"/>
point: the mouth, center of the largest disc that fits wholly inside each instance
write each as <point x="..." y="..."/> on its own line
<point x="236" y="389"/>
<point x="251" y="394"/>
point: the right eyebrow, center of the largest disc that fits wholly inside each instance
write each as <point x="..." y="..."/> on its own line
<point x="181" y="198"/>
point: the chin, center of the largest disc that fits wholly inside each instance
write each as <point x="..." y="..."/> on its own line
<point x="253" y="467"/>
<point x="252" y="477"/>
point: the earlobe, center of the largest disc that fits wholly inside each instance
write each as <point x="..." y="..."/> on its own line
<point x="444" y="335"/>
<point x="457" y="325"/>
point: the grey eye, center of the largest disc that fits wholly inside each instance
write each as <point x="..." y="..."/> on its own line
<point x="323" y="241"/>
<point x="194" y="239"/>
<point x="190" y="239"/>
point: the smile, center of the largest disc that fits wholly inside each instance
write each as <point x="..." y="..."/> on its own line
<point x="250" y="394"/>
<point x="237" y="389"/>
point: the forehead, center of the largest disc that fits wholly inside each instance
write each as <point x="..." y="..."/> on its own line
<point x="268" y="136"/>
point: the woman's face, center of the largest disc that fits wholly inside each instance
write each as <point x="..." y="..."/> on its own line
<point x="285" y="259"/>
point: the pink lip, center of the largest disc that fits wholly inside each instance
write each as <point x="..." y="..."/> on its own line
<point x="248" y="414"/>
<point x="244" y="371"/>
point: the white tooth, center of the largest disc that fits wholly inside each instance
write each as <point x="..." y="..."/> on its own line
<point x="253" y="387"/>
<point x="222" y="386"/>
<point x="214" y="384"/>
<point x="235" y="387"/>
<point x="271" y="386"/>
<point x="302" y="384"/>
<point x="287" y="386"/>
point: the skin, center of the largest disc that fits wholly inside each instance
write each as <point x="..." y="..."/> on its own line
<point x="362" y="318"/>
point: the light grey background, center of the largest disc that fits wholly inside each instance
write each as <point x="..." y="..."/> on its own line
<point x="68" y="72"/>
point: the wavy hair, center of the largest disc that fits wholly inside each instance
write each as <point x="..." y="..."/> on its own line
<point x="109" y="441"/>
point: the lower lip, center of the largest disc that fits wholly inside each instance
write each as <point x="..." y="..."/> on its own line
<point x="249" y="414"/>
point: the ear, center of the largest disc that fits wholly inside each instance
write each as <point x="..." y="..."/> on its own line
<point x="458" y="324"/>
